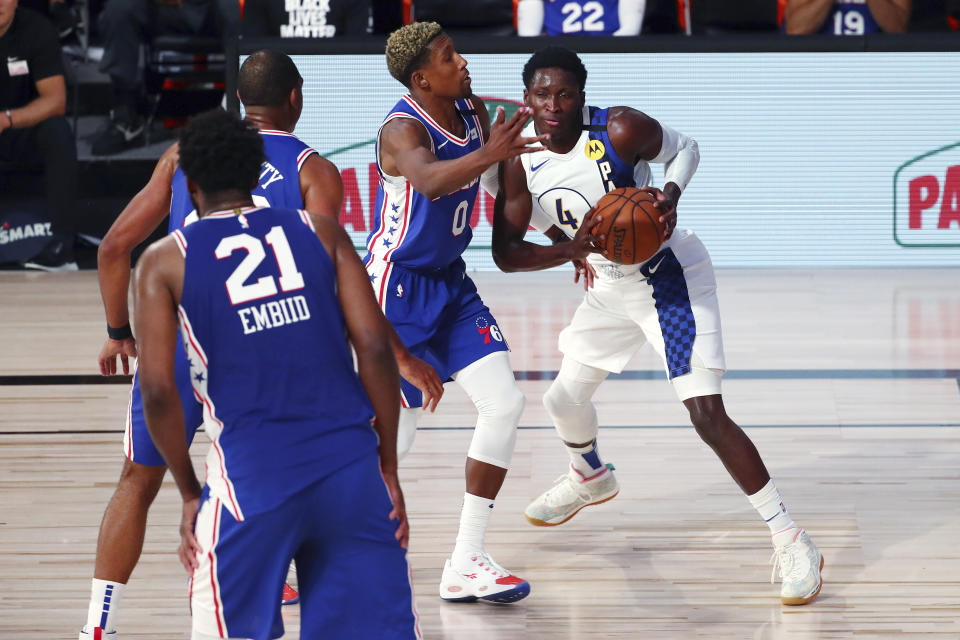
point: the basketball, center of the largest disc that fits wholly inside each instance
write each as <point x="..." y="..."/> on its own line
<point x="631" y="225"/>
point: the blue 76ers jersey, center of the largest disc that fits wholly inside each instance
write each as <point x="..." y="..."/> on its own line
<point x="409" y="228"/>
<point x="850" y="18"/>
<point x="278" y="186"/>
<point x="565" y="186"/>
<point x="584" y="17"/>
<point x="266" y="340"/>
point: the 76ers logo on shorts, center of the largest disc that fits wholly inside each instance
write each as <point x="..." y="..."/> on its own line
<point x="488" y="330"/>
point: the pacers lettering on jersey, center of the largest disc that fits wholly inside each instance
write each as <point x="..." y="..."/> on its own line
<point x="269" y="175"/>
<point x="605" y="171"/>
<point x="273" y="314"/>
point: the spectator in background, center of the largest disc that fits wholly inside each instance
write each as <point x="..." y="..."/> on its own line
<point x="125" y="26"/>
<point x="305" y="18"/>
<point x="847" y="17"/>
<point x="33" y="131"/>
<point x="580" y="17"/>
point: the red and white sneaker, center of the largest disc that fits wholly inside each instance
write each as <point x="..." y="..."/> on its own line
<point x="481" y="579"/>
<point x="290" y="595"/>
<point x="97" y="634"/>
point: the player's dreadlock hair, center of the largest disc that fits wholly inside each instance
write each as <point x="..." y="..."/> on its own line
<point x="221" y="152"/>
<point x="266" y="79"/>
<point x="407" y="49"/>
<point x="555" y="56"/>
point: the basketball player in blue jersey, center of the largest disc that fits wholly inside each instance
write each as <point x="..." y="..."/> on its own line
<point x="431" y="151"/>
<point x="580" y="17"/>
<point x="847" y="17"/>
<point x="293" y="175"/>
<point x="669" y="301"/>
<point x="303" y="462"/>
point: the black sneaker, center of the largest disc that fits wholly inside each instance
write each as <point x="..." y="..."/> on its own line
<point x="124" y="131"/>
<point x="56" y="255"/>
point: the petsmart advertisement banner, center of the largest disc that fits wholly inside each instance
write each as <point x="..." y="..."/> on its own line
<point x="807" y="159"/>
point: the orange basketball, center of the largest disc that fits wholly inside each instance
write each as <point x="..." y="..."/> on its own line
<point x="631" y="225"/>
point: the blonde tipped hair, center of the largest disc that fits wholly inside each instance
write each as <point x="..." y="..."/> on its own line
<point x="406" y="45"/>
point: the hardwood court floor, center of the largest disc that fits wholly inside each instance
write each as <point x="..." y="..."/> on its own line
<point x="847" y="380"/>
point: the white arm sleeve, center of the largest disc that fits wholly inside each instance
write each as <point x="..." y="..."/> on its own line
<point x="489" y="180"/>
<point x="631" y="17"/>
<point x="529" y="17"/>
<point x="680" y="154"/>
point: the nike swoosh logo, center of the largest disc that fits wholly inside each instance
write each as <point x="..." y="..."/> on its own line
<point x="534" y="168"/>
<point x="443" y="145"/>
<point x="654" y="268"/>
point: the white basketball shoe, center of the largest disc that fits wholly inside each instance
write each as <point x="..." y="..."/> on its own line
<point x="799" y="563"/>
<point x="478" y="577"/>
<point x="97" y="634"/>
<point x="570" y="493"/>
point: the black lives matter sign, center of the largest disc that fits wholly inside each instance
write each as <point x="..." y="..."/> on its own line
<point x="307" y="19"/>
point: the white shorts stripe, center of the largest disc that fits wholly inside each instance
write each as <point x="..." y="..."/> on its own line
<point x="206" y="601"/>
<point x="128" y="426"/>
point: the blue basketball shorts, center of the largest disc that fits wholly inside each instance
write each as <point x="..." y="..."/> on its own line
<point x="137" y="444"/>
<point x="439" y="317"/>
<point x="352" y="574"/>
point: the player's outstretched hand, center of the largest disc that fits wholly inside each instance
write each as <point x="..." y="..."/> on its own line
<point x="107" y="359"/>
<point x="189" y="547"/>
<point x="423" y="377"/>
<point x="584" y="269"/>
<point x="506" y="140"/>
<point x="668" y="210"/>
<point x="399" y="511"/>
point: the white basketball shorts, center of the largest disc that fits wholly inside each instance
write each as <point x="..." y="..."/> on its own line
<point x="670" y="302"/>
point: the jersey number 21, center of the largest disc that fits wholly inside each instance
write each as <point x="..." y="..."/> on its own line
<point x="237" y="288"/>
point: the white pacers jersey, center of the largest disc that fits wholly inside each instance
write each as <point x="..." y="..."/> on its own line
<point x="669" y="301"/>
<point x="565" y="186"/>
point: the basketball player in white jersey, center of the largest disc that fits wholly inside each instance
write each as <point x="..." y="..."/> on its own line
<point x="669" y="301"/>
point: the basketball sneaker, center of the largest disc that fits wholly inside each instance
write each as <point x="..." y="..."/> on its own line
<point x="289" y="595"/>
<point x="481" y="579"/>
<point x="97" y="634"/>
<point x="570" y="493"/>
<point x="799" y="563"/>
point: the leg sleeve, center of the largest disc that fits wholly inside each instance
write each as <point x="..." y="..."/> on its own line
<point x="491" y="386"/>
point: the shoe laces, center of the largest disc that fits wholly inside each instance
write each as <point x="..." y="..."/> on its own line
<point x="485" y="562"/>
<point x="564" y="488"/>
<point x="789" y="560"/>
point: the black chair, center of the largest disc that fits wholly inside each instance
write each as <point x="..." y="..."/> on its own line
<point x="184" y="75"/>
<point x="483" y="18"/>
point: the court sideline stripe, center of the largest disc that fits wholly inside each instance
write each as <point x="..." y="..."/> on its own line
<point x="548" y="374"/>
<point x="892" y="425"/>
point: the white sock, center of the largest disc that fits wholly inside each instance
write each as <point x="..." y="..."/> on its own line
<point x="104" y="602"/>
<point x="586" y="460"/>
<point x="769" y="505"/>
<point x="474" y="517"/>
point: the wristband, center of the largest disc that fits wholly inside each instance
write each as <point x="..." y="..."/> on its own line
<point x="9" y="117"/>
<point x="121" y="333"/>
